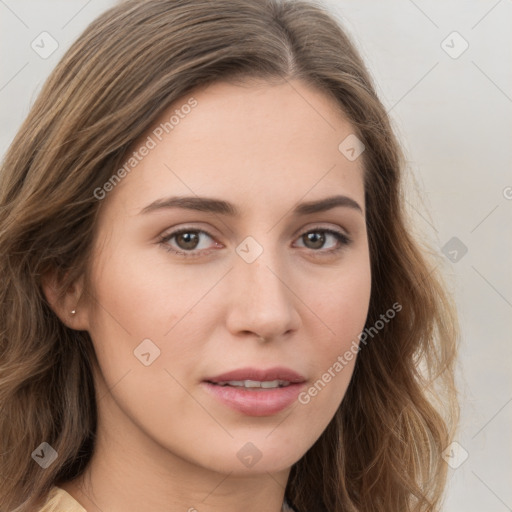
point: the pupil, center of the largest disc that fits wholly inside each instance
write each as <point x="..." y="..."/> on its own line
<point x="190" y="240"/>
<point x="318" y="240"/>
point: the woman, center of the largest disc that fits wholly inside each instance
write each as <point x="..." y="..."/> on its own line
<point x="211" y="297"/>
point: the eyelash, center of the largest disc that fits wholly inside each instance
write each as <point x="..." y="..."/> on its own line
<point x="343" y="240"/>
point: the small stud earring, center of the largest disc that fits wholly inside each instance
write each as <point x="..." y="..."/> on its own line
<point x="73" y="312"/>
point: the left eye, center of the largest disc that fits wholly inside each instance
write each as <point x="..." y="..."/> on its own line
<point x="188" y="241"/>
<point x="316" y="240"/>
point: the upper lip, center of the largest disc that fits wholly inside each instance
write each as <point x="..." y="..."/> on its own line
<point x="270" y="374"/>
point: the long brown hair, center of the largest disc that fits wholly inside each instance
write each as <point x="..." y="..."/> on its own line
<point x="383" y="449"/>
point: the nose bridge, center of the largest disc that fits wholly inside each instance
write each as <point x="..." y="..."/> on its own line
<point x="262" y="301"/>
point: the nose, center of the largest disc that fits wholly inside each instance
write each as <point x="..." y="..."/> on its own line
<point x="262" y="301"/>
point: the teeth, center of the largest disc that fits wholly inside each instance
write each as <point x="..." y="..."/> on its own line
<point x="266" y="384"/>
<point x="271" y="384"/>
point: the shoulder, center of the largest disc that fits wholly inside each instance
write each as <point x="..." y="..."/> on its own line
<point x="60" y="501"/>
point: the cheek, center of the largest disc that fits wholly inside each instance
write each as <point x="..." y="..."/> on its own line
<point x="343" y="310"/>
<point x="138" y="327"/>
<point x="143" y="296"/>
<point x="343" y="304"/>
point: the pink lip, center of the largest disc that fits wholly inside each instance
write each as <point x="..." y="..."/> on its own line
<point x="277" y="373"/>
<point x="259" y="402"/>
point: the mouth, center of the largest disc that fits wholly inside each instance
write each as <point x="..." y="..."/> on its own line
<point x="256" y="392"/>
<point x="255" y="377"/>
<point x="253" y="385"/>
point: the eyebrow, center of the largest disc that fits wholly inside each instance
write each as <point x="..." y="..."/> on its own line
<point x="212" y="205"/>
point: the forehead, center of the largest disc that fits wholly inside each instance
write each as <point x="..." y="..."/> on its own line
<point x="251" y="142"/>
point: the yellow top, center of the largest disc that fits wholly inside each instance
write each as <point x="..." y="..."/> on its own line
<point x="60" y="501"/>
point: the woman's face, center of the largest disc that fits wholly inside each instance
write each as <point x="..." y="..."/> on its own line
<point x="176" y="318"/>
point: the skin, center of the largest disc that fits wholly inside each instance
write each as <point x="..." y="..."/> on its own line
<point x="163" y="443"/>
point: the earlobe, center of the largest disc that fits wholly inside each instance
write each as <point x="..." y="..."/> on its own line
<point x="69" y="307"/>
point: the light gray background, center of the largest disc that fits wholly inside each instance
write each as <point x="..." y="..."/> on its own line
<point x="454" y="117"/>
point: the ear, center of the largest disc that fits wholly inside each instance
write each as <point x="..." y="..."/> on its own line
<point x="71" y="301"/>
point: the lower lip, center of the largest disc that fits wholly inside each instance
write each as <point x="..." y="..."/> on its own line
<point x="260" y="402"/>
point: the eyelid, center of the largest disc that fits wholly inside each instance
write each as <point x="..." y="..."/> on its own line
<point x="322" y="227"/>
<point x="341" y="229"/>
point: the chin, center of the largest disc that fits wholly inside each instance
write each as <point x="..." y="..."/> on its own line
<point x="258" y="456"/>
